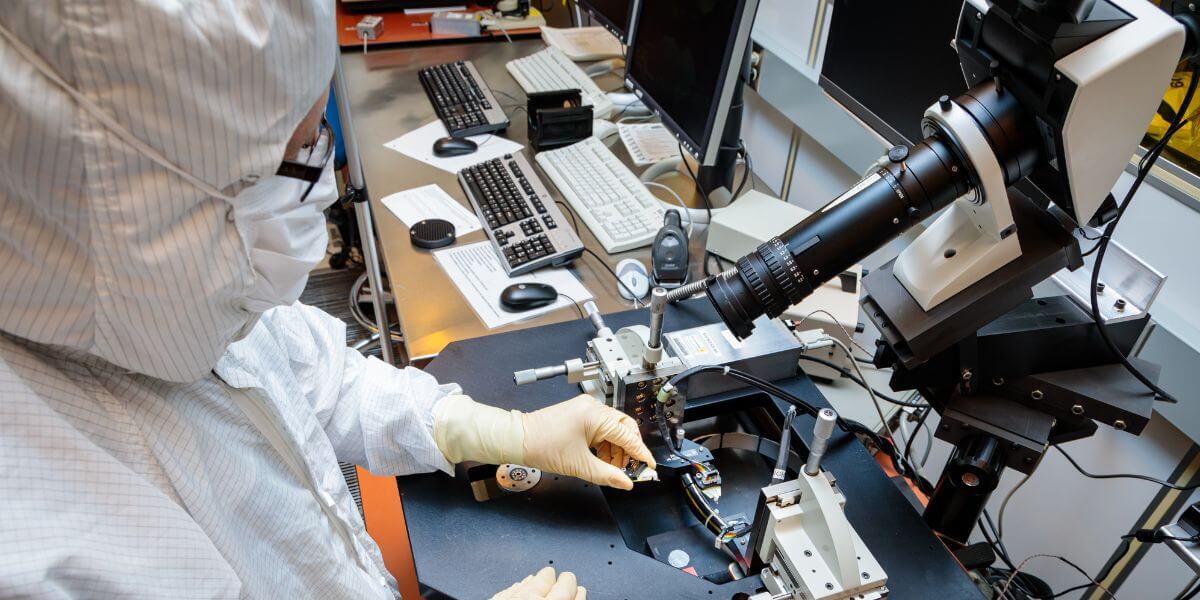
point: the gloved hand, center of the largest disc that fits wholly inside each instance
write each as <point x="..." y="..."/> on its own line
<point x="558" y="438"/>
<point x="543" y="586"/>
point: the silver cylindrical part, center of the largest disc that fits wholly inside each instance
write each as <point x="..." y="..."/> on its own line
<point x="593" y="313"/>
<point x="538" y="374"/>
<point x="658" y="308"/>
<point x="684" y="292"/>
<point x="822" y="431"/>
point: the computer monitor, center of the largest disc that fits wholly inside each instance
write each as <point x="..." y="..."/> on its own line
<point x="614" y="15"/>
<point x="685" y="63"/>
<point x="888" y="61"/>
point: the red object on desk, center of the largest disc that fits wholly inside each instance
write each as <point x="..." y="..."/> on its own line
<point x="399" y="28"/>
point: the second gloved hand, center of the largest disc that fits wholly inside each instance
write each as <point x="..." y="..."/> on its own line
<point x="558" y="438"/>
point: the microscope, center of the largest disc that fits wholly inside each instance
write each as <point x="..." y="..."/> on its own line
<point x="1061" y="92"/>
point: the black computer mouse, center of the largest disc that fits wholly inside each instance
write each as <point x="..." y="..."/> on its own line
<point x="520" y="297"/>
<point x="452" y="146"/>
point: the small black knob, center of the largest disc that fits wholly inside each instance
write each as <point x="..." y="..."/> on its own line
<point x="994" y="70"/>
<point x="898" y="153"/>
<point x="913" y="213"/>
<point x="944" y="102"/>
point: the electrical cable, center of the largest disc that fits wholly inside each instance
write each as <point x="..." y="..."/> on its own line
<point x="842" y="326"/>
<point x="1020" y="567"/>
<point x="575" y="226"/>
<point x="1145" y="164"/>
<point x="574" y="303"/>
<point x="1085" y="473"/>
<point x="745" y="173"/>
<point x="870" y="392"/>
<point x="920" y="424"/>
<point x="848" y="375"/>
<point x="636" y="303"/>
<point x="846" y="425"/>
<point x="1007" y="497"/>
<point x="691" y="225"/>
<point x="1189" y="592"/>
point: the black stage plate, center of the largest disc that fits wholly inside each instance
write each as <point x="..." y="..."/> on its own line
<point x="467" y="550"/>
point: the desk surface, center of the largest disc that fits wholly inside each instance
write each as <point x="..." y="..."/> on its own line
<point x="386" y="102"/>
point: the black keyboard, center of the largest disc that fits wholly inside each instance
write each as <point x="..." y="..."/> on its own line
<point x="525" y="226"/>
<point x="462" y="100"/>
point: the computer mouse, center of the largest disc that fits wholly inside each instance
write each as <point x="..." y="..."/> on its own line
<point x="520" y="297"/>
<point x="632" y="273"/>
<point x="602" y="129"/>
<point x="452" y="146"/>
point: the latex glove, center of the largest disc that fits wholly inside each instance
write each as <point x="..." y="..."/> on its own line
<point x="544" y="586"/>
<point x="558" y="438"/>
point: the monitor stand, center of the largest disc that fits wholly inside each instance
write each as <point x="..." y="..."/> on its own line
<point x="717" y="180"/>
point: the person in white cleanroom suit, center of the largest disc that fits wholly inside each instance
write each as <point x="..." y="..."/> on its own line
<point x="170" y="417"/>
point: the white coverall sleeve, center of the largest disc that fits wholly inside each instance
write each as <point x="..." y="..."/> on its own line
<point x="376" y="416"/>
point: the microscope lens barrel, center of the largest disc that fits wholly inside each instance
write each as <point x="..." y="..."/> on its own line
<point x="787" y="268"/>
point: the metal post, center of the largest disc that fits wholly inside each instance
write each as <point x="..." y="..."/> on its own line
<point x="362" y="209"/>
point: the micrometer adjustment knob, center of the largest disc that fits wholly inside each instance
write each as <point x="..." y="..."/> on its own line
<point x="822" y="431"/>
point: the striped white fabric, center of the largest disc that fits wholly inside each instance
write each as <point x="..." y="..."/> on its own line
<point x="130" y="465"/>
<point x="102" y="250"/>
<point x="123" y="485"/>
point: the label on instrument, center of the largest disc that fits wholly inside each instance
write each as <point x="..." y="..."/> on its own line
<point x="858" y="187"/>
<point x="696" y="344"/>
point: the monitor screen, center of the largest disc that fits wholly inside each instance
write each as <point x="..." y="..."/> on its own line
<point x="888" y="61"/>
<point x="613" y="15"/>
<point x="684" y="62"/>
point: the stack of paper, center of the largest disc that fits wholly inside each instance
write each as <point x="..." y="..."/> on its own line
<point x="583" y="43"/>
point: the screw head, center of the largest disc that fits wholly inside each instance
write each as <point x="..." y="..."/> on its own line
<point x="997" y="381"/>
<point x="866" y="575"/>
<point x="1119" y="304"/>
<point x="829" y="586"/>
<point x="1077" y="409"/>
<point x="1036" y="394"/>
<point x="808" y="552"/>
<point x="1119" y="425"/>
<point x="1100" y="287"/>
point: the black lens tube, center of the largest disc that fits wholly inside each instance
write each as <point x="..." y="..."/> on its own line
<point x="787" y="268"/>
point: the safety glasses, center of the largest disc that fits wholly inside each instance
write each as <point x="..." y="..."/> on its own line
<point x="306" y="170"/>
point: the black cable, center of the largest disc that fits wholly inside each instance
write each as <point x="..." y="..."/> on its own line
<point x="570" y="213"/>
<point x="696" y="181"/>
<point x="574" y="303"/>
<point x="745" y="173"/>
<point x="1085" y="473"/>
<point x="1146" y="163"/>
<point x="612" y="272"/>
<point x="852" y="377"/>
<point x="1189" y="594"/>
<point x="750" y="169"/>
<point x="913" y="435"/>
<point x="575" y="226"/>
<point x="846" y="425"/>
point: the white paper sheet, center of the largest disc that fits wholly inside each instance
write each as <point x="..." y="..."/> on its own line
<point x="477" y="272"/>
<point x="648" y="143"/>
<point x="583" y="43"/>
<point x="431" y="202"/>
<point x="419" y="145"/>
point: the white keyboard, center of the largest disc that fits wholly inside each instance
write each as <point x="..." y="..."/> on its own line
<point x="610" y="199"/>
<point x="550" y="70"/>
